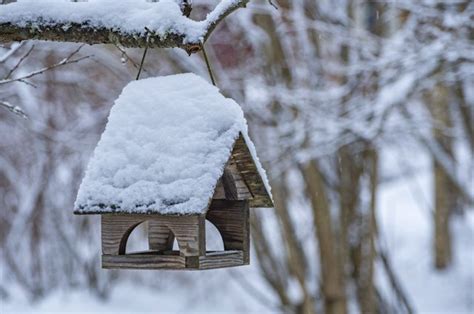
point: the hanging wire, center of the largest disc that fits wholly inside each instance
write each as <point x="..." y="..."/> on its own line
<point x="141" y="63"/>
<point x="208" y="65"/>
<point x="144" y="53"/>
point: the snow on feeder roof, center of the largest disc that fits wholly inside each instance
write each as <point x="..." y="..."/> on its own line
<point x="164" y="150"/>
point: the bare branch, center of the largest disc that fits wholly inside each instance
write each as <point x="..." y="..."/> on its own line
<point x="394" y="282"/>
<point x="20" y="61"/>
<point x="221" y="11"/>
<point x="14" y="109"/>
<point x="11" y="50"/>
<point x="126" y="57"/>
<point x="68" y="60"/>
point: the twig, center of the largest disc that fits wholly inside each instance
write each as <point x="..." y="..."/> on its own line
<point x="272" y="4"/>
<point x="23" y="58"/>
<point x="129" y="58"/>
<point x="14" y="48"/>
<point x="14" y="109"/>
<point x="220" y="13"/>
<point x="252" y="290"/>
<point x="63" y="62"/>
<point x="401" y="295"/>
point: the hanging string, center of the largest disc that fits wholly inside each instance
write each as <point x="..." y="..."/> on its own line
<point x="144" y="53"/>
<point x="208" y="65"/>
<point x="141" y="63"/>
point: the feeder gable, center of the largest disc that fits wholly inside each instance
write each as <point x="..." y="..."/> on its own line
<point x="241" y="179"/>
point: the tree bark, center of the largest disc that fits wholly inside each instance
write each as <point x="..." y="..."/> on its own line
<point x="444" y="192"/>
<point x="331" y="271"/>
<point x="82" y="33"/>
<point x="85" y="33"/>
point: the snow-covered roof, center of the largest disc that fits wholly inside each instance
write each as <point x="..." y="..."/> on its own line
<point x="132" y="17"/>
<point x="164" y="148"/>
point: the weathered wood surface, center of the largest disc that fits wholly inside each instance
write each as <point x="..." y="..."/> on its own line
<point x="231" y="219"/>
<point x="115" y="232"/>
<point x="153" y="260"/>
<point x="243" y="192"/>
<point x="231" y="185"/>
<point x="188" y="230"/>
<point x="228" y="182"/>
<point x="160" y="237"/>
<point x="221" y="260"/>
<point x="219" y="193"/>
<point x="144" y="261"/>
<point x="250" y="175"/>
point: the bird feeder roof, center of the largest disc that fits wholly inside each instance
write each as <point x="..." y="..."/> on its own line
<point x="164" y="149"/>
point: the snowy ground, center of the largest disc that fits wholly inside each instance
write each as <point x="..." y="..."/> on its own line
<point x="405" y="224"/>
<point x="404" y="217"/>
<point x="224" y="296"/>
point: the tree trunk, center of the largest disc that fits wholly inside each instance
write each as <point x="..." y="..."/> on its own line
<point x="444" y="192"/>
<point x="331" y="266"/>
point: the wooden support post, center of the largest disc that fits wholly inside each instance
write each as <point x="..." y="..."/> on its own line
<point x="189" y="231"/>
<point x="231" y="218"/>
<point x="160" y="238"/>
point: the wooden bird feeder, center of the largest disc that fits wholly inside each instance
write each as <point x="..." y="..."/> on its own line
<point x="176" y="170"/>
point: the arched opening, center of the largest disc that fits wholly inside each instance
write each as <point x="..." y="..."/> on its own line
<point x="214" y="241"/>
<point x="136" y="241"/>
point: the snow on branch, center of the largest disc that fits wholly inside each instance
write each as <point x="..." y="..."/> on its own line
<point x="129" y="23"/>
<point x="14" y="109"/>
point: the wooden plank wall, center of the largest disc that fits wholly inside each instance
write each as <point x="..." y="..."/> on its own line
<point x="188" y="230"/>
<point x="231" y="218"/>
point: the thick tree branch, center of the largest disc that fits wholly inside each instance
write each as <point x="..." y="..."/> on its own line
<point x="83" y="33"/>
<point x="39" y="28"/>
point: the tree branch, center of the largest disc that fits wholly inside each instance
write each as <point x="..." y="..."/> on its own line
<point x="68" y="60"/>
<point x="20" y="61"/>
<point x="44" y="28"/>
<point x="220" y="12"/>
<point x="14" y="109"/>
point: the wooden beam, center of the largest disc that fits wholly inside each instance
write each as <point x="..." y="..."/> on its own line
<point x="151" y="260"/>
<point x="230" y="189"/>
<point x="221" y="260"/>
<point x="143" y="261"/>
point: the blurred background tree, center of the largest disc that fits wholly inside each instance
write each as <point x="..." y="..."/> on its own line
<point x="327" y="86"/>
